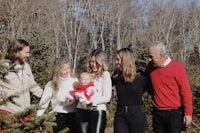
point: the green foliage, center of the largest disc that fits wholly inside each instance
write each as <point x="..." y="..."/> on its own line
<point x="196" y="101"/>
<point x="4" y="69"/>
<point x="41" y="59"/>
<point x="18" y="123"/>
<point x="141" y="54"/>
<point x="110" y="114"/>
<point x="148" y="108"/>
<point x="42" y="56"/>
<point x="194" y="128"/>
<point x="5" y="99"/>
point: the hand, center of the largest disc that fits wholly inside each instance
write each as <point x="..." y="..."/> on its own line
<point x="90" y="91"/>
<point x="94" y="103"/>
<point x="69" y="97"/>
<point x="40" y="128"/>
<point x="187" y="120"/>
<point x="79" y="95"/>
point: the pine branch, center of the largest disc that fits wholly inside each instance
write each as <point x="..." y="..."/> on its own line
<point x="4" y="69"/>
<point x="17" y="122"/>
<point x="5" y="99"/>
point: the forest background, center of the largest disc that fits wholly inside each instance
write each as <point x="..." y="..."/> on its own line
<point x="72" y="28"/>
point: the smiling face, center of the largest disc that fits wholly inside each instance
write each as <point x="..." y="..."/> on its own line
<point x="23" y="54"/>
<point x="93" y="64"/>
<point x="65" y="71"/>
<point x="118" y="61"/>
<point x="155" y="58"/>
<point x="85" y="78"/>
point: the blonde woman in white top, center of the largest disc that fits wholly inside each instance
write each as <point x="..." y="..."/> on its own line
<point x="57" y="92"/>
<point x="93" y="120"/>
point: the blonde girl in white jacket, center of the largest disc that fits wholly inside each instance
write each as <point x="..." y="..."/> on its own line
<point x="57" y="91"/>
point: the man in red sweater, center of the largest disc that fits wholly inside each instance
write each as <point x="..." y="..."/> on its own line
<point x="171" y="93"/>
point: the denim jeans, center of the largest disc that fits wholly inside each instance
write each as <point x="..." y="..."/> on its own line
<point x="130" y="119"/>
<point x="167" y="121"/>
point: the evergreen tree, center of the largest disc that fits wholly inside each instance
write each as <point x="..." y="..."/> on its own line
<point x="42" y="57"/>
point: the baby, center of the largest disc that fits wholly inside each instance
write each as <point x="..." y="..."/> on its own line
<point x="84" y="91"/>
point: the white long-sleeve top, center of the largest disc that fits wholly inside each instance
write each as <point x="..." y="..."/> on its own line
<point x="59" y="101"/>
<point x="104" y="91"/>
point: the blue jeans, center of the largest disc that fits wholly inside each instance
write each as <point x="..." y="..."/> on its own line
<point x="167" y="121"/>
<point x="130" y="119"/>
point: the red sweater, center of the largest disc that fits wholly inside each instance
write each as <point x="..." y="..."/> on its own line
<point x="83" y="88"/>
<point x="171" y="87"/>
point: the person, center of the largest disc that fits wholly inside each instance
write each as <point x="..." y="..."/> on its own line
<point x="57" y="91"/>
<point x="20" y="82"/>
<point x="171" y="91"/>
<point x="130" y="115"/>
<point x="85" y="89"/>
<point x="93" y="120"/>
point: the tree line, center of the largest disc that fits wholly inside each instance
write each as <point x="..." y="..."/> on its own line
<point x="72" y="28"/>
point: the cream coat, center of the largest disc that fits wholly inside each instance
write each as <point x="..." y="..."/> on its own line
<point x="22" y="84"/>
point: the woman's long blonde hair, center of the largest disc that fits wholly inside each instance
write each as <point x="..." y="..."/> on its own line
<point x="128" y="67"/>
<point x="57" y="66"/>
<point x="100" y="59"/>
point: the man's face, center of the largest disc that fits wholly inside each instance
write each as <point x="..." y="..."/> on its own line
<point x="154" y="57"/>
<point x="23" y="54"/>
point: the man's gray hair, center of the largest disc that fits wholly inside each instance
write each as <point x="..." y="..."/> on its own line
<point x="159" y="46"/>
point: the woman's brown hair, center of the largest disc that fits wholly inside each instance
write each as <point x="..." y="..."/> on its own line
<point x="128" y="67"/>
<point x="100" y="59"/>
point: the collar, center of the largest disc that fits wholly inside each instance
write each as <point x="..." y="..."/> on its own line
<point x="18" y="66"/>
<point x="166" y="62"/>
<point x="63" y="79"/>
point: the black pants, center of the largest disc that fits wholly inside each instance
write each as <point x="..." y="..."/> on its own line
<point x="64" y="120"/>
<point x="130" y="119"/>
<point x="89" y="121"/>
<point x="167" y="121"/>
